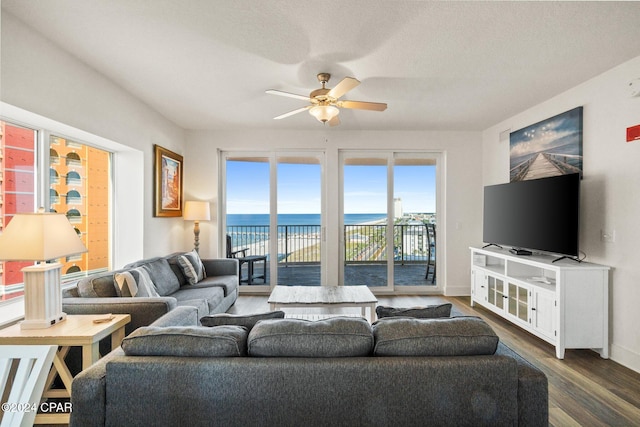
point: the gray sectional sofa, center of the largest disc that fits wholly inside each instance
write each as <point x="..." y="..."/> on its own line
<point x="214" y="293"/>
<point x="291" y="372"/>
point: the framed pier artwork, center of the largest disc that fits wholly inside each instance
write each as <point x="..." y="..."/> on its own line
<point x="547" y="148"/>
<point x="168" y="182"/>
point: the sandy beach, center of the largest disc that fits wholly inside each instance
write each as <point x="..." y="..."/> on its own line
<point x="301" y="243"/>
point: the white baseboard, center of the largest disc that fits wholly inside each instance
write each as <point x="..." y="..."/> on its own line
<point x="625" y="357"/>
<point x="457" y="291"/>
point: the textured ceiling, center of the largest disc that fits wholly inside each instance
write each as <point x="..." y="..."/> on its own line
<point x="205" y="64"/>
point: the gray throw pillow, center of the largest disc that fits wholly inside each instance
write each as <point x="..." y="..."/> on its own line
<point x="428" y="312"/>
<point x="187" y="341"/>
<point x="192" y="267"/>
<point x="458" y="336"/>
<point x="126" y="284"/>
<point x="144" y="283"/>
<point x="333" y="337"/>
<point x="248" y="321"/>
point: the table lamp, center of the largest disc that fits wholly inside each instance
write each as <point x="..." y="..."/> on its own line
<point x="196" y="211"/>
<point x="40" y="237"/>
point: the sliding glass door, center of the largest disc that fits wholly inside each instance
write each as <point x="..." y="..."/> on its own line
<point x="248" y="220"/>
<point x="381" y="230"/>
<point x="273" y="211"/>
<point x="414" y="221"/>
<point x="299" y="220"/>
<point x="389" y="217"/>
<point x="365" y="221"/>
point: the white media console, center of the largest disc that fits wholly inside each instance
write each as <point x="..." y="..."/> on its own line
<point x="565" y="303"/>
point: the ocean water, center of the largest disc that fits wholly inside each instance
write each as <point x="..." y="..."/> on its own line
<point x="297" y="219"/>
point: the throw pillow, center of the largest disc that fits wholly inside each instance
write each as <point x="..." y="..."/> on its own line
<point x="145" y="285"/>
<point x="428" y="312"/>
<point x="187" y="341"/>
<point x="126" y="285"/>
<point x="333" y="337"/>
<point x="162" y="276"/>
<point x="458" y="336"/>
<point x="192" y="267"/>
<point x="247" y="321"/>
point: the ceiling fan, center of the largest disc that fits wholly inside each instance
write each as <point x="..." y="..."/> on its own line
<point x="325" y="103"/>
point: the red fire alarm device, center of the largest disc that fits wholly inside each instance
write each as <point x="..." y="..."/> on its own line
<point x="633" y="133"/>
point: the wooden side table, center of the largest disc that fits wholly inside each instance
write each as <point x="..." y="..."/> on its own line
<point x="75" y="331"/>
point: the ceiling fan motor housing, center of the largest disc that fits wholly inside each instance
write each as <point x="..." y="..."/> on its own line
<point x="324" y="78"/>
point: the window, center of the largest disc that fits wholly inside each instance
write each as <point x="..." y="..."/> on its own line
<point x="83" y="189"/>
<point x="17" y="193"/>
<point x="77" y="183"/>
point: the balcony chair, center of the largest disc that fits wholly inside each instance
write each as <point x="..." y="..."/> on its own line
<point x="23" y="374"/>
<point x="431" y="252"/>
<point x="249" y="260"/>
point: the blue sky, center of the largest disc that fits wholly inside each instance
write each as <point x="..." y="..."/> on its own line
<point x="299" y="188"/>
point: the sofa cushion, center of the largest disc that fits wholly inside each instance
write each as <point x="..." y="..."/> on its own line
<point x="459" y="336"/>
<point x="228" y="283"/>
<point x="334" y="337"/>
<point x="97" y="285"/>
<point x="187" y="341"/>
<point x="247" y="321"/>
<point x="212" y="296"/>
<point x="162" y="276"/>
<point x="428" y="312"/>
<point x="192" y="267"/>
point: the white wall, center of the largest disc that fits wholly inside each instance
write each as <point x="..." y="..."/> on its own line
<point x="462" y="154"/>
<point x="610" y="189"/>
<point x="41" y="78"/>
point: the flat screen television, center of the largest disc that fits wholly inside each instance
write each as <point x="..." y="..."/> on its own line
<point x="539" y="215"/>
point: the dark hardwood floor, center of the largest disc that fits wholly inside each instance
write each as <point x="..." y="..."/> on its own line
<point x="584" y="389"/>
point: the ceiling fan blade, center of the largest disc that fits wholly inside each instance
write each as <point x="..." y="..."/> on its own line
<point x="360" y="105"/>
<point x="335" y="121"/>
<point x="287" y="94"/>
<point x="343" y="87"/>
<point x="291" y="113"/>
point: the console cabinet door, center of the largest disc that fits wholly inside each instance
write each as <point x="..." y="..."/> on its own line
<point x="480" y="291"/>
<point x="496" y="291"/>
<point x="543" y="312"/>
<point x="518" y="297"/>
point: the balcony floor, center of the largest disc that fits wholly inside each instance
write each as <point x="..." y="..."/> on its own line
<point x="361" y="274"/>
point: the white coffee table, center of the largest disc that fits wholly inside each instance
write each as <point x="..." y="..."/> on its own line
<point x="324" y="296"/>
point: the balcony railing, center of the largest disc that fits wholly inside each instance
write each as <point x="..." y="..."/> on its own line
<point x="300" y="244"/>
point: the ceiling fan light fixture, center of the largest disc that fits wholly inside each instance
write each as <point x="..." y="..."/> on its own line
<point x="324" y="113"/>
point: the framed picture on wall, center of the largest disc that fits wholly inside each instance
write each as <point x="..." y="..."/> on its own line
<point x="547" y="148"/>
<point x="168" y="182"/>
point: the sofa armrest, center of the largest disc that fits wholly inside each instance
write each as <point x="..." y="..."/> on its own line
<point x="88" y="393"/>
<point x="180" y="316"/>
<point x="143" y="311"/>
<point x="221" y="266"/>
<point x="533" y="391"/>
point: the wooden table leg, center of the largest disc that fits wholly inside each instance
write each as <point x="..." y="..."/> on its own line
<point x="116" y="338"/>
<point x="90" y="354"/>
<point x="60" y="368"/>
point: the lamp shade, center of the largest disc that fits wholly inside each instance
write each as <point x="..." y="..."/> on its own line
<point x="39" y="236"/>
<point x="196" y="211"/>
